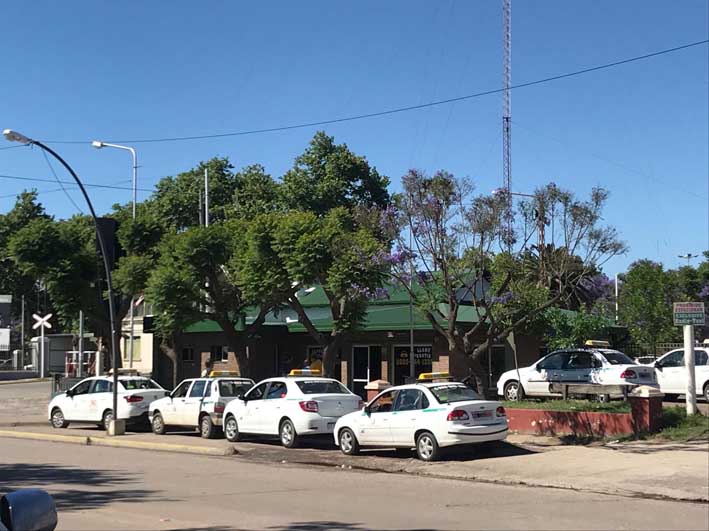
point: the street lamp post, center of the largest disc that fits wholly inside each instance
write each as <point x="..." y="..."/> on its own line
<point x="14" y="136"/>
<point x="99" y="145"/>
<point x="688" y="257"/>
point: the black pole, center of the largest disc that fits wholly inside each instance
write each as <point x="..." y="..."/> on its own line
<point x="102" y="246"/>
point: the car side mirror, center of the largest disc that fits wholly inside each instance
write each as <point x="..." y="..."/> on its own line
<point x="69" y="393"/>
<point x="243" y="397"/>
<point x="31" y="509"/>
<point x="658" y="366"/>
<point x="367" y="409"/>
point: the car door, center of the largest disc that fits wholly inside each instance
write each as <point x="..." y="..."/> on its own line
<point x="545" y="372"/>
<point x="375" y="425"/>
<point x="100" y="398"/>
<point x="188" y="413"/>
<point x="577" y="369"/>
<point x="671" y="373"/>
<point x="249" y="415"/>
<point x="78" y="403"/>
<point x="407" y="415"/>
<point x="171" y="411"/>
<point x="272" y="406"/>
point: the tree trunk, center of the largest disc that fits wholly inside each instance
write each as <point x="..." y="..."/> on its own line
<point x="237" y="344"/>
<point x="479" y="376"/>
<point x="167" y="347"/>
<point x="330" y="353"/>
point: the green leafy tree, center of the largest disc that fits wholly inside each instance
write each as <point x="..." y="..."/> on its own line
<point x="12" y="279"/>
<point x="328" y="236"/>
<point x="645" y="303"/>
<point x="572" y="329"/>
<point x="196" y="279"/>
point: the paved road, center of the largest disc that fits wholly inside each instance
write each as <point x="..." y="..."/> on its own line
<point x="108" y="488"/>
<point x="24" y="401"/>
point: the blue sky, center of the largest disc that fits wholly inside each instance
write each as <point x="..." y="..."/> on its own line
<point x="134" y="70"/>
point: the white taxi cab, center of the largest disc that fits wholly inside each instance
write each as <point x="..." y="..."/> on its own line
<point x="91" y="400"/>
<point x="671" y="372"/>
<point x="431" y="414"/>
<point x="595" y="364"/>
<point x="198" y="402"/>
<point x="301" y="404"/>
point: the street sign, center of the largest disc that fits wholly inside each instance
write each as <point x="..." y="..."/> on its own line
<point x="41" y="321"/>
<point x="688" y="313"/>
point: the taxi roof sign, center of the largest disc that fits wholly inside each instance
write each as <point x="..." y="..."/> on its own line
<point x="124" y="372"/>
<point x="214" y="374"/>
<point x="597" y="343"/>
<point x="429" y="376"/>
<point x="305" y="372"/>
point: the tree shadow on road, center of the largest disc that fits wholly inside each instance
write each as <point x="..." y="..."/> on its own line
<point x="101" y="487"/>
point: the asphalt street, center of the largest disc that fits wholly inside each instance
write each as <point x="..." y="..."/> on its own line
<point x="110" y="488"/>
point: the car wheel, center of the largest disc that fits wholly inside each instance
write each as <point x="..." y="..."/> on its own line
<point x="427" y="446"/>
<point x="58" y="420"/>
<point x="206" y="427"/>
<point x="158" y="424"/>
<point x="706" y="391"/>
<point x="513" y="391"/>
<point x="603" y="398"/>
<point x="289" y="437"/>
<point x="348" y="442"/>
<point x="106" y="419"/>
<point x="231" y="429"/>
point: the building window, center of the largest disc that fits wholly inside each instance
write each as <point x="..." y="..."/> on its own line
<point x="136" y="348"/>
<point x="219" y="353"/>
<point x="188" y="355"/>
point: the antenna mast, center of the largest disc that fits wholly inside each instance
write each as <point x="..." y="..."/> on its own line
<point x="506" y="111"/>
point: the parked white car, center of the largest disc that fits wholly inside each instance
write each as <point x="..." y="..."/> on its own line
<point x="427" y="415"/>
<point x="291" y="407"/>
<point x="588" y="365"/>
<point x="91" y="400"/>
<point x="671" y="372"/>
<point x="197" y="402"/>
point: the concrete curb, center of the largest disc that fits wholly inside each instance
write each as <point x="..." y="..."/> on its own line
<point x="119" y="443"/>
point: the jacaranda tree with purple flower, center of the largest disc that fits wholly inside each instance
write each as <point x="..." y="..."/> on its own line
<point x="508" y="263"/>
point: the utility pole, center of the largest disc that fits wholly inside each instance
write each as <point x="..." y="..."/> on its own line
<point x="22" y="332"/>
<point x="688" y="257"/>
<point x="81" y="344"/>
<point x="691" y="389"/>
<point x="616" y="298"/>
<point x="206" y="197"/>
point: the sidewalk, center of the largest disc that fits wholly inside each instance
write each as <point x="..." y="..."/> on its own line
<point x="637" y="469"/>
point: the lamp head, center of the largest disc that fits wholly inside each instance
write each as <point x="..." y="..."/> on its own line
<point x="97" y="144"/>
<point x="14" y="136"/>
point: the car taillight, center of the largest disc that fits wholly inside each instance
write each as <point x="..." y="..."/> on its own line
<point x="219" y="407"/>
<point x="457" y="414"/>
<point x="133" y="398"/>
<point x="628" y="373"/>
<point x="360" y="404"/>
<point x="311" y="406"/>
<point x="501" y="411"/>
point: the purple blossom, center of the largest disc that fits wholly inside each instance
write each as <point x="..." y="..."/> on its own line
<point x="704" y="294"/>
<point x="381" y="293"/>
<point x="502" y="299"/>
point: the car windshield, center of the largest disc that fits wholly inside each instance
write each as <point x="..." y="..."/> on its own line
<point x="138" y="383"/>
<point x="448" y="393"/>
<point x="321" y="387"/>
<point x="617" y="358"/>
<point x="233" y="387"/>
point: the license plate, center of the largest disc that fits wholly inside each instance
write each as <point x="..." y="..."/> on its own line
<point x="482" y="414"/>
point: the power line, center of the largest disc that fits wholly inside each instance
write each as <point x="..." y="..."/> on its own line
<point x="398" y="109"/>
<point x="88" y="185"/>
<point x="38" y="191"/>
<point x="51" y="168"/>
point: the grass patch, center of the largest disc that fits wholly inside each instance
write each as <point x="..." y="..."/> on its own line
<point x="570" y="405"/>
<point x="677" y="426"/>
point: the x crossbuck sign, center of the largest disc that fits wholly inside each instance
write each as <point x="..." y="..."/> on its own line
<point x="41" y="321"/>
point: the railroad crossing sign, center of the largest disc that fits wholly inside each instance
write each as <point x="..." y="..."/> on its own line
<point x="688" y="313"/>
<point x="41" y="321"/>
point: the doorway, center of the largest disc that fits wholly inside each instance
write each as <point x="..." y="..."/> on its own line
<point x="366" y="367"/>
